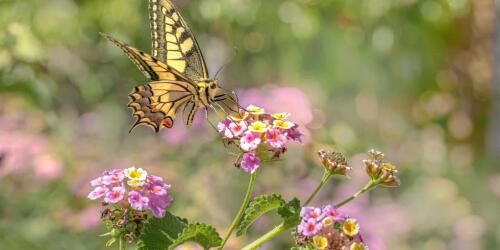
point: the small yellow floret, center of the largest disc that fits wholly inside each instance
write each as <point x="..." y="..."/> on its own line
<point x="282" y="124"/>
<point x="136" y="174"/>
<point x="358" y="246"/>
<point x="327" y="222"/>
<point x="320" y="242"/>
<point x="239" y="117"/>
<point x="255" y="110"/>
<point x="280" y="116"/>
<point x="258" y="127"/>
<point x="135" y="183"/>
<point x="350" y="227"/>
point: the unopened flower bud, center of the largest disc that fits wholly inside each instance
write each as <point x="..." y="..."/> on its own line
<point x="383" y="173"/>
<point x="334" y="162"/>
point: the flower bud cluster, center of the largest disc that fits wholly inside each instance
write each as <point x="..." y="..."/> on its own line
<point x="381" y="172"/>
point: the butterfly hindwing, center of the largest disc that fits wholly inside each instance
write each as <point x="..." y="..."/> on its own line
<point x="157" y="104"/>
<point x="173" y="42"/>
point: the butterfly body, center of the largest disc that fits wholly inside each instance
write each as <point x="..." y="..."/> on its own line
<point x="180" y="82"/>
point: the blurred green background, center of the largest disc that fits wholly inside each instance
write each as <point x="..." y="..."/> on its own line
<point x="412" y="78"/>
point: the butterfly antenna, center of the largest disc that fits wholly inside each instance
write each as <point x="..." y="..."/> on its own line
<point x="235" y="52"/>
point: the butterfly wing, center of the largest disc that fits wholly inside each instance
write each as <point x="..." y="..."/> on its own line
<point x="157" y="104"/>
<point x="173" y="42"/>
<point x="151" y="67"/>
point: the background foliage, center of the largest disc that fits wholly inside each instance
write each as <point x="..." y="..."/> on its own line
<point x="412" y="78"/>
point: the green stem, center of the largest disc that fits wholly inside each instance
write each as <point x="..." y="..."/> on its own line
<point x="121" y="243"/>
<point x="244" y="205"/>
<point x="266" y="237"/>
<point x="370" y="185"/>
<point x="324" y="180"/>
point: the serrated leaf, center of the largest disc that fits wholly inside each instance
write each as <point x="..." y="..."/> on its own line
<point x="257" y="207"/>
<point x="291" y="212"/>
<point x="159" y="234"/>
<point x="200" y="233"/>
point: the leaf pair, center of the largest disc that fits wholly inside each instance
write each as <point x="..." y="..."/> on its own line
<point x="290" y="212"/>
<point x="172" y="231"/>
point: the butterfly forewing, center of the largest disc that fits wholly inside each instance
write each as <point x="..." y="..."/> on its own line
<point x="173" y="42"/>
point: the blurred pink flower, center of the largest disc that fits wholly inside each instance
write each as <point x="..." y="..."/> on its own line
<point x="19" y="151"/>
<point x="179" y="134"/>
<point x="47" y="167"/>
<point x="88" y="219"/>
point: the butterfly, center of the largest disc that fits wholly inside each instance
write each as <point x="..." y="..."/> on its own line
<point x="178" y="73"/>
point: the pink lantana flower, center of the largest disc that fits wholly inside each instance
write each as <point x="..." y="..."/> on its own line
<point x="310" y="227"/>
<point x="312" y="213"/>
<point x="237" y="128"/>
<point x="294" y="134"/>
<point x="333" y="213"/>
<point x="115" y="195"/>
<point x="112" y="177"/>
<point x="98" y="192"/>
<point x="137" y="200"/>
<point x="250" y="141"/>
<point x="132" y="187"/>
<point x="250" y="162"/>
<point x="158" y="204"/>
<point x="275" y="138"/>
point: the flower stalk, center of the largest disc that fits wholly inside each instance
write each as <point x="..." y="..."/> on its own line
<point x="369" y="186"/>
<point x="122" y="243"/>
<point x="244" y="204"/>
<point x="324" y="180"/>
<point x="266" y="237"/>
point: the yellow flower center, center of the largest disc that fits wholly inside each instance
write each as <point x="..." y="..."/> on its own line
<point x="282" y="124"/>
<point x="255" y="110"/>
<point x="280" y="116"/>
<point x="350" y="227"/>
<point x="258" y="127"/>
<point x="135" y="183"/>
<point x="239" y="117"/>
<point x="320" y="242"/>
<point x="327" y="222"/>
<point x="358" y="246"/>
<point x="135" y="174"/>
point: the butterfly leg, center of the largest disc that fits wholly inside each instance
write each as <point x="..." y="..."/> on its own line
<point x="215" y="128"/>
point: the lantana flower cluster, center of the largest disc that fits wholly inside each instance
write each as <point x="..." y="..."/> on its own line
<point x="127" y="195"/>
<point x="132" y="188"/>
<point x="259" y="135"/>
<point x="328" y="228"/>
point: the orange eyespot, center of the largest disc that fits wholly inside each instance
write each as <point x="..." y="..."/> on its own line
<point x="168" y="122"/>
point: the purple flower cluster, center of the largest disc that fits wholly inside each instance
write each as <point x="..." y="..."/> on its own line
<point x="313" y="219"/>
<point x="255" y="132"/>
<point x="132" y="188"/>
<point x="328" y="228"/>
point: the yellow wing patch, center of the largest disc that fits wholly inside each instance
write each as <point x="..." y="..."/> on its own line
<point x="173" y="42"/>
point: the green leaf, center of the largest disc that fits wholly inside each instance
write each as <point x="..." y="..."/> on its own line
<point x="200" y="233"/>
<point x="291" y="212"/>
<point x="259" y="206"/>
<point x="159" y="234"/>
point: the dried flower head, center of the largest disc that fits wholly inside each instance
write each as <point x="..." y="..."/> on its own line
<point x="260" y="136"/>
<point x="334" y="162"/>
<point x="127" y="195"/>
<point x="379" y="171"/>
<point x="326" y="228"/>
